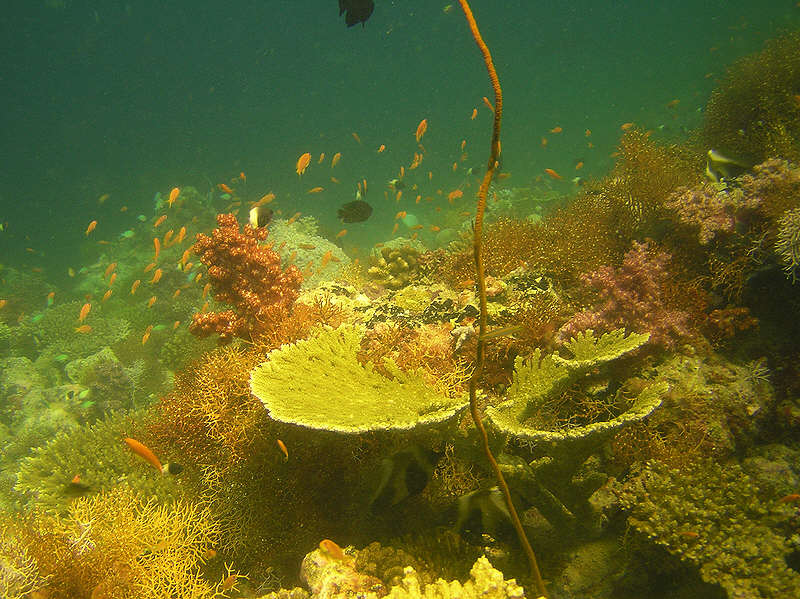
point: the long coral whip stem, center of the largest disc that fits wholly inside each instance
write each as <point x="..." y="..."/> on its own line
<point x="477" y="246"/>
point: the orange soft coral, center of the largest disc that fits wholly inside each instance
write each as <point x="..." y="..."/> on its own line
<point x="247" y="275"/>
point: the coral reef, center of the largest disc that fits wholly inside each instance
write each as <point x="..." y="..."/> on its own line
<point x="787" y="244"/>
<point x="716" y="518"/>
<point x="246" y="275"/>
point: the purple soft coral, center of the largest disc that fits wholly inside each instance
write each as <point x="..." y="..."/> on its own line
<point x="633" y="297"/>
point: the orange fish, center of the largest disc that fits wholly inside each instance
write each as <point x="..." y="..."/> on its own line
<point x="306" y="246"/>
<point x="556" y="129"/>
<point x="156" y="276"/>
<point x="321" y="158"/>
<point x="225" y="189"/>
<point x="109" y="269"/>
<point x="673" y="103"/>
<point x="401" y="214"/>
<point x="185" y="256"/>
<point x="3" y="303"/>
<point x="303" y="162"/>
<point x="626" y="126"/>
<point x="791" y="498"/>
<point x="167" y="237"/>
<point x="474" y="114"/>
<point x="91" y="227"/>
<point x="176" y="293"/>
<point x="381" y="148"/>
<point x="135" y="286"/>
<point x="435" y="229"/>
<point x="51" y="297"/>
<point x="145" y="453"/>
<point x="266" y="199"/>
<point x="107" y="294"/>
<point x="229" y="582"/>
<point x="157" y="246"/>
<point x="206" y="288"/>
<point x="579" y="166"/>
<point x="112" y="279"/>
<point x="181" y="235"/>
<point x="87" y="307"/>
<point x="488" y="103"/>
<point x="331" y="549"/>
<point x="356" y="137"/>
<point x="544" y="141"/>
<point x="197" y="277"/>
<point x="173" y="195"/>
<point x="552" y="173"/>
<point x="176" y="324"/>
<point x="341" y="233"/>
<point x="454" y="195"/>
<point x="83" y="329"/>
<point x="394" y="229"/>
<point x="421" y="129"/>
<point x="455" y="166"/>
<point x="283" y="449"/>
<point x="243" y="177"/>
<point x="588" y="133"/>
<point x="315" y="190"/>
<point x="336" y="158"/>
<point x="151" y="301"/>
<point x="326" y="257"/>
<point x="149" y="267"/>
<point x="689" y="534"/>
<point x="146" y="335"/>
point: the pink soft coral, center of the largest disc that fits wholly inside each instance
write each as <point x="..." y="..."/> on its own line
<point x="633" y="297"/>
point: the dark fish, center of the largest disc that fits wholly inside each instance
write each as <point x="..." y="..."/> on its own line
<point x="260" y="216"/>
<point x="356" y="11"/>
<point x="355" y="212"/>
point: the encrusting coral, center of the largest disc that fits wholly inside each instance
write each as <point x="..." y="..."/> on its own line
<point x="246" y="275"/>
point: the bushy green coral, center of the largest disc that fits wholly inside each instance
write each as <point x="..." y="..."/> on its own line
<point x="98" y="455"/>
<point x="716" y="517"/>
<point x="543" y="378"/>
<point x="319" y="383"/>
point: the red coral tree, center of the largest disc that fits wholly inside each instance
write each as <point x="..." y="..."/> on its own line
<point x="247" y="275"/>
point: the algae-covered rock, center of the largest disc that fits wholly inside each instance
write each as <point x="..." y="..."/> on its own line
<point x="319" y="383"/>
<point x="103" y="375"/>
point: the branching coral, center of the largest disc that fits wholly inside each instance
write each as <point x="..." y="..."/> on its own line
<point x="210" y="415"/>
<point x="787" y="245"/>
<point x="246" y="275"/>
<point x="116" y="545"/>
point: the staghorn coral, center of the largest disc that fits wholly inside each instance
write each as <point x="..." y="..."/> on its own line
<point x="117" y="545"/>
<point x="246" y="275"/>
<point x="634" y="296"/>
<point x="753" y="113"/>
<point x="210" y="415"/>
<point x="716" y="518"/>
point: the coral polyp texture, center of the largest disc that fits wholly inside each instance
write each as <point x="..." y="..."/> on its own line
<point x="335" y="392"/>
<point x="247" y="275"/>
